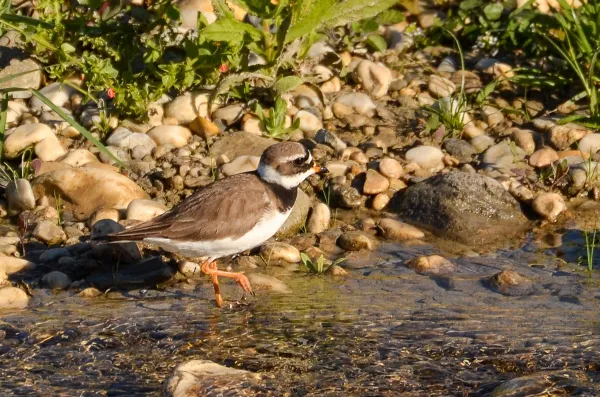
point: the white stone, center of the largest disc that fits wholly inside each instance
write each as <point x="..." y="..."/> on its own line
<point x="374" y="77"/>
<point x="253" y="125"/>
<point x="12" y="298"/>
<point x="319" y="219"/>
<point x="280" y="251"/>
<point x="49" y="232"/>
<point x="549" y="205"/>
<point x="174" y="135"/>
<point x="79" y="158"/>
<point x="19" y="196"/>
<point x="358" y="102"/>
<point x="589" y="144"/>
<point x="58" y="93"/>
<point x="440" y="87"/>
<point x="240" y="164"/>
<point x="12" y="265"/>
<point x="189" y="269"/>
<point x="187" y="107"/>
<point x="308" y="121"/>
<point x="31" y="134"/>
<point x="144" y="210"/>
<point x="190" y="9"/>
<point x="427" y="157"/>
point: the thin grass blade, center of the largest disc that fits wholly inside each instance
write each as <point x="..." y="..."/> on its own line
<point x="3" y="112"/>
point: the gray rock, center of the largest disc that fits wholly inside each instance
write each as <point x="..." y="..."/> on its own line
<point x="345" y="197"/>
<point x="547" y="383"/>
<point x="240" y="144"/>
<point x="329" y="138"/>
<point x="469" y="208"/>
<point x="503" y="156"/>
<point x="14" y="61"/>
<point x="20" y="197"/>
<point x="460" y="149"/>
<point x="56" y="280"/>
<point x="54" y="254"/>
<point x="121" y="252"/>
<point x="356" y="241"/>
<point x="511" y="283"/>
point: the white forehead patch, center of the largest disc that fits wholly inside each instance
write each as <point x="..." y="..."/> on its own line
<point x="269" y="174"/>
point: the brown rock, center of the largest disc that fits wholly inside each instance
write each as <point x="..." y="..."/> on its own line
<point x="431" y="265"/>
<point x="392" y="229"/>
<point x="375" y="183"/>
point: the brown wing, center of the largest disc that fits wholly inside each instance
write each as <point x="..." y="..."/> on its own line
<point x="227" y="208"/>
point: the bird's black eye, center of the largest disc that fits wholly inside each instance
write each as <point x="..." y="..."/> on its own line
<point x="299" y="161"/>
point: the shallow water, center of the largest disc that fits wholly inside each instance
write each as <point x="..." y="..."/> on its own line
<point x="383" y="331"/>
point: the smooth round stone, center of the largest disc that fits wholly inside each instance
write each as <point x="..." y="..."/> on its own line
<point x="229" y="114"/>
<point x="390" y="168"/>
<point x="13" y="298"/>
<point x="329" y="138"/>
<point x="305" y="97"/>
<point x="79" y="157"/>
<point x="589" y="144"/>
<point x="549" y="205"/>
<point x="253" y="125"/>
<point x="332" y="86"/>
<point x="392" y="229"/>
<point x="427" y="157"/>
<point x="319" y="219"/>
<point x="356" y="241"/>
<point x="123" y="138"/>
<point x="90" y="292"/>
<point x="57" y="280"/>
<point x="15" y="112"/>
<point x="502" y="154"/>
<point x="144" y="209"/>
<point x="27" y="135"/>
<point x="460" y="149"/>
<point x="431" y="265"/>
<point x="204" y="127"/>
<point x="525" y="139"/>
<point x="20" y="197"/>
<point x="481" y="143"/>
<point x="374" y="77"/>
<point x="240" y="164"/>
<point x="187" y="107"/>
<point x="54" y="254"/>
<point x="375" y="183"/>
<point x="189" y="269"/>
<point x="346" y="197"/>
<point x="11" y="265"/>
<point x="58" y="93"/>
<point x="509" y="282"/>
<point x="308" y="121"/>
<point x="270" y="283"/>
<point x="359" y="157"/>
<point x="104" y="213"/>
<point x="492" y="116"/>
<point x="447" y="65"/>
<point x="336" y="271"/>
<point x="173" y="135"/>
<point x="280" y="251"/>
<point x="17" y="65"/>
<point x="49" y="232"/>
<point x="440" y="87"/>
<point x="358" y="102"/>
<point x="380" y="201"/>
<point x="543" y="157"/>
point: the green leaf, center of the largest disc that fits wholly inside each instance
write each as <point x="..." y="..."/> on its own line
<point x="308" y="16"/>
<point x="483" y="94"/>
<point x="493" y="11"/>
<point x="231" y="30"/>
<point x="3" y="111"/>
<point x="222" y="9"/>
<point x="349" y="11"/>
<point x="377" y="42"/>
<point x="67" y="48"/>
<point x="284" y="84"/>
<point x="390" y="17"/>
<point x="470" y="4"/>
<point x="75" y="125"/>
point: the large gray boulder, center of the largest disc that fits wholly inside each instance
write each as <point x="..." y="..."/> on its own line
<point x="468" y="208"/>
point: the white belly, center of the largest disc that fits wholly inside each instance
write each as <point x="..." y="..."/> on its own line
<point x="264" y="230"/>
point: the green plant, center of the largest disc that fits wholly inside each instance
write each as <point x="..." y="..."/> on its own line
<point x="274" y="121"/>
<point x="317" y="267"/>
<point x="590" y="246"/>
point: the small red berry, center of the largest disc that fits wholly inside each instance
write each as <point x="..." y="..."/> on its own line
<point x="223" y="68"/>
<point x="111" y="93"/>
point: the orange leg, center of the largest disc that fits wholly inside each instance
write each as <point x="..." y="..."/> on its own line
<point x="210" y="267"/>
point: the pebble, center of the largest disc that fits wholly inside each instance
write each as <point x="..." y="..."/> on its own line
<point x="357" y="102"/>
<point x="20" y="197"/>
<point x="375" y="183"/>
<point x="549" y="205"/>
<point x="492" y="116"/>
<point x="13" y="298"/>
<point x="481" y="143"/>
<point x="58" y="93"/>
<point x="329" y="138"/>
<point x="204" y="127"/>
<point x="332" y="86"/>
<point x="356" y="241"/>
<point x="280" y="251"/>
<point x="3" y="278"/>
<point x="11" y="265"/>
<point x="123" y="138"/>
<point x="589" y="144"/>
<point x="53" y="254"/>
<point x="427" y="157"/>
<point x="144" y="209"/>
<point x="440" y="87"/>
<point x="16" y="64"/>
<point x="305" y="96"/>
<point x="46" y="145"/>
<point x="509" y="282"/>
<point x="431" y="265"/>
<point x="319" y="219"/>
<point x="380" y="201"/>
<point x="308" y="121"/>
<point x="390" y="168"/>
<point x="392" y="229"/>
<point x="560" y="136"/>
<point x="185" y="108"/>
<point x="264" y="282"/>
<point x="543" y="157"/>
<point x="525" y="139"/>
<point x="374" y="77"/>
<point x="253" y="125"/>
<point x="78" y="158"/>
<point x="57" y="280"/>
<point x="240" y="164"/>
<point x="104" y="213"/>
<point x="503" y="155"/>
<point x="173" y="135"/>
<point x="460" y="149"/>
<point x="189" y="269"/>
<point x="49" y="232"/>
<point x="336" y="271"/>
<point x="229" y="114"/>
<point x="346" y="197"/>
<point x="90" y="292"/>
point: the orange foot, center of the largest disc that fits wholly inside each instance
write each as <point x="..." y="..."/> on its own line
<point x="210" y="267"/>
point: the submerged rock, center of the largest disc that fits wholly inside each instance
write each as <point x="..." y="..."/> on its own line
<point x="469" y="208"/>
<point x="431" y="265"/>
<point x="547" y="383"/>
<point x="199" y="378"/>
<point x="509" y="282"/>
